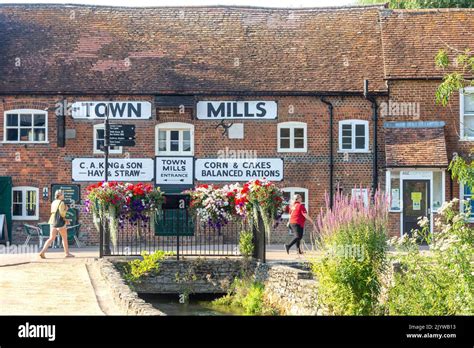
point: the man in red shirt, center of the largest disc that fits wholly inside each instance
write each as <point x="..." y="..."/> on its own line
<point x="298" y="216"/>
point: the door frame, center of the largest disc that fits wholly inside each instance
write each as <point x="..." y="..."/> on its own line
<point x="417" y="175"/>
<point x="428" y="202"/>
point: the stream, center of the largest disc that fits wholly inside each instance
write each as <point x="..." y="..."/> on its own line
<point x="198" y="304"/>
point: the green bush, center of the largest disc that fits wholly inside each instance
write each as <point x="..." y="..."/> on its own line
<point x="247" y="295"/>
<point x="353" y="238"/>
<point x="246" y="245"/>
<point x="349" y="275"/>
<point x="440" y="282"/>
<point x="135" y="270"/>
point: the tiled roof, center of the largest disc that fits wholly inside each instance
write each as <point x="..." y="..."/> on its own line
<point x="80" y="49"/>
<point x="412" y="38"/>
<point x="411" y="146"/>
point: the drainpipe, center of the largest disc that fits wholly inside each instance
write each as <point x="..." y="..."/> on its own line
<point x="331" y="151"/>
<point x="371" y="98"/>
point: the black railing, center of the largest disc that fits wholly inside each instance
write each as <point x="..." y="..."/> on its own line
<point x="172" y="231"/>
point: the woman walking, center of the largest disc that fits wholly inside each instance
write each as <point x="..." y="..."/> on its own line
<point x="298" y="217"/>
<point x="58" y="223"/>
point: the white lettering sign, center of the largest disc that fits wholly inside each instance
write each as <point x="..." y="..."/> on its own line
<point x="248" y="110"/>
<point x="121" y="110"/>
<point x="174" y="170"/>
<point x="216" y="169"/>
<point x="120" y="169"/>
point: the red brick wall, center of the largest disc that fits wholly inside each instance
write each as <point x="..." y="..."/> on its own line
<point x="44" y="164"/>
<point x="423" y="92"/>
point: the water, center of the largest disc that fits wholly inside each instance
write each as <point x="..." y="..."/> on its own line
<point x="198" y="304"/>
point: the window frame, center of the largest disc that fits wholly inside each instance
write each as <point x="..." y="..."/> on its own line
<point x="292" y="125"/>
<point x="462" y="114"/>
<point x="24" y="111"/>
<point x="24" y="190"/>
<point x="292" y="190"/>
<point x="461" y="199"/>
<point x="364" y="192"/>
<point x="354" y="123"/>
<point x="174" y="126"/>
<point x="96" y="151"/>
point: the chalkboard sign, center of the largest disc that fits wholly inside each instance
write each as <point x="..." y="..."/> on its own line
<point x="72" y="215"/>
<point x="72" y="193"/>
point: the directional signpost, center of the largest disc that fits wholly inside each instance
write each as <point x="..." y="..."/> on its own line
<point x="115" y="135"/>
<point x="121" y="135"/>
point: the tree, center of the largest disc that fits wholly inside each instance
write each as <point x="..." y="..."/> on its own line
<point x="414" y="4"/>
<point x="461" y="67"/>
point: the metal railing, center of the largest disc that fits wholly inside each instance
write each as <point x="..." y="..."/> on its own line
<point x="174" y="231"/>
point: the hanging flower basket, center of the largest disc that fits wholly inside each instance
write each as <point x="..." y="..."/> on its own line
<point x="216" y="206"/>
<point x="123" y="202"/>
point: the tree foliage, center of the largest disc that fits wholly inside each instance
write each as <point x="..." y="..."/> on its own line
<point x="461" y="67"/>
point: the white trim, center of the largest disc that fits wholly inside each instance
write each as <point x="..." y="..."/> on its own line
<point x="291" y="126"/>
<point x="470" y="90"/>
<point x="413" y="174"/>
<point x="443" y="191"/>
<point x="364" y="192"/>
<point x="24" y="189"/>
<point x="24" y="111"/>
<point x="292" y="191"/>
<point x="174" y="126"/>
<point x="461" y="199"/>
<point x="97" y="151"/>
<point x="353" y="123"/>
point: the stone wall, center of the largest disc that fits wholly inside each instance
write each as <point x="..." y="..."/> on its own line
<point x="207" y="276"/>
<point x="125" y="298"/>
<point x="289" y="287"/>
<point x="292" y="290"/>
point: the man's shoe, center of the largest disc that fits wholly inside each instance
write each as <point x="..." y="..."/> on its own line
<point x="287" y="249"/>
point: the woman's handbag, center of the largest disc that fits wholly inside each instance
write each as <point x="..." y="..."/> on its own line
<point x="59" y="221"/>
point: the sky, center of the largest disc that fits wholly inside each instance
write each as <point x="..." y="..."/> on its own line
<point x="138" y="3"/>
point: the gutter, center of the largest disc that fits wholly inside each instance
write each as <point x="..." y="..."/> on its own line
<point x="371" y="98"/>
<point x="331" y="151"/>
<point x="198" y="94"/>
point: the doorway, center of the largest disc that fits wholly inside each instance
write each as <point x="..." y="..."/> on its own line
<point x="6" y="203"/>
<point x="416" y="203"/>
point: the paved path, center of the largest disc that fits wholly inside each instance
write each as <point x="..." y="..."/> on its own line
<point x="73" y="286"/>
<point x="55" y="286"/>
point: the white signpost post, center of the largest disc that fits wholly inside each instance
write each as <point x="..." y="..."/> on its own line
<point x="120" y="169"/>
<point x="216" y="169"/>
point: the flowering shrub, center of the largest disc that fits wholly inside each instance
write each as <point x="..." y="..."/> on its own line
<point x="120" y="202"/>
<point x="438" y="282"/>
<point x="353" y="241"/>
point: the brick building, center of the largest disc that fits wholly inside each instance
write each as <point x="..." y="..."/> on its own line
<point x="203" y="83"/>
